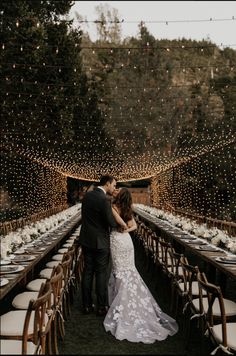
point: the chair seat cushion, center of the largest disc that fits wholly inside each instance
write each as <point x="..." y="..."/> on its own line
<point x="68" y="244"/>
<point x="57" y="257"/>
<point x="195" y="288"/>
<point x="14" y="347"/>
<point x="52" y="264"/>
<point x="21" y="301"/>
<point x="62" y="250"/>
<point x="77" y="231"/>
<point x="231" y="332"/>
<point x="71" y="240"/>
<point x="12" y="323"/>
<point x="35" y="284"/>
<point x="230" y="307"/>
<point x="46" y="273"/>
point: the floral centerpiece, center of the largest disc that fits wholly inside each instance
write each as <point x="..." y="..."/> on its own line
<point x="214" y="235"/>
<point x="16" y="239"/>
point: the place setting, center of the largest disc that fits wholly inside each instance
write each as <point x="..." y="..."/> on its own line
<point x="23" y="258"/>
<point x="170" y="229"/>
<point x="187" y="238"/>
<point x="208" y="247"/>
<point x="20" y="251"/>
<point x="11" y="269"/>
<point x="6" y="261"/>
<point x="46" y="241"/>
<point x="230" y="259"/>
<point x="35" y="250"/>
<point x="195" y="242"/>
<point x="184" y="235"/>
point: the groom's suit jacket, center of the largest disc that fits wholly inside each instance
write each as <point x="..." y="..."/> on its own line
<point x="97" y="220"/>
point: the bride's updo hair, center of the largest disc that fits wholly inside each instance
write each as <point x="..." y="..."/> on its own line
<point x="124" y="202"/>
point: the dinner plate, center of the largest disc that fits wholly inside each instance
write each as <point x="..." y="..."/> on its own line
<point x="185" y="237"/>
<point x="5" y="262"/>
<point x="3" y="281"/>
<point x="20" y="251"/>
<point x="11" y="269"/>
<point x="196" y="242"/>
<point x="230" y="258"/>
<point x="23" y="258"/>
<point x="207" y="248"/>
<point x="226" y="260"/>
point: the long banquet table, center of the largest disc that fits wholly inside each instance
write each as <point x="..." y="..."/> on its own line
<point x="52" y="241"/>
<point x="179" y="238"/>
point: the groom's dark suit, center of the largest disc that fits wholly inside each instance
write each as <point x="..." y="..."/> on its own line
<point x="97" y="221"/>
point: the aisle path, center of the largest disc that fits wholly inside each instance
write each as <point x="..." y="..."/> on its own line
<point x="85" y="334"/>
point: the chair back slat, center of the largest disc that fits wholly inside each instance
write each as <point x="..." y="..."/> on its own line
<point x="56" y="283"/>
<point x="214" y="293"/>
<point x="189" y="275"/>
<point x="41" y="322"/>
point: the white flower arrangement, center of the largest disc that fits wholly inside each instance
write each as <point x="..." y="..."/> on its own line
<point x="15" y="239"/>
<point x="214" y="235"/>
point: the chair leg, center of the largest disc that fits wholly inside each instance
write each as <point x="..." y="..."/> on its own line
<point x="60" y="323"/>
<point x="43" y="345"/>
<point x="55" y="341"/>
<point x="173" y="296"/>
<point x="68" y="301"/>
<point x="187" y="332"/>
<point x="176" y="307"/>
<point x="65" y="306"/>
<point x="49" y="343"/>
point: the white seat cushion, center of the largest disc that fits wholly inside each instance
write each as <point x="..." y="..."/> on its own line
<point x="12" y="323"/>
<point x="78" y="229"/>
<point x="14" y="347"/>
<point x="231" y="333"/>
<point x="195" y="288"/>
<point x="230" y="306"/>
<point x="68" y="244"/>
<point x="35" y="284"/>
<point x="21" y="301"/>
<point x="57" y="257"/>
<point x="52" y="264"/>
<point x="62" y="250"/>
<point x="46" y="273"/>
<point x="71" y="239"/>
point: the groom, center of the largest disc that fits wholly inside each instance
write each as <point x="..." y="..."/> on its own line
<point x="97" y="221"/>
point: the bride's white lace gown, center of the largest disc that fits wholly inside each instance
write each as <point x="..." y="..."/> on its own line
<point x="133" y="314"/>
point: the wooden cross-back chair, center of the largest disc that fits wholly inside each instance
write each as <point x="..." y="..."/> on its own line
<point x="218" y="312"/>
<point x="26" y="331"/>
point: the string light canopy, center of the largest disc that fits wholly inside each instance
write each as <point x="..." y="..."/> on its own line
<point x="158" y="115"/>
<point x="124" y="166"/>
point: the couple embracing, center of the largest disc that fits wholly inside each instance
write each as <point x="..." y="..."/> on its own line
<point x="130" y="310"/>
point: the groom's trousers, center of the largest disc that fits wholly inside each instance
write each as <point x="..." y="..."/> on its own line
<point x="96" y="262"/>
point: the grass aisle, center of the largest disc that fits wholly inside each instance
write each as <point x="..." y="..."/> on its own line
<point x="85" y="334"/>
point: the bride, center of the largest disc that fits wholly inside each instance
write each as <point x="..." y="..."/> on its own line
<point x="133" y="313"/>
